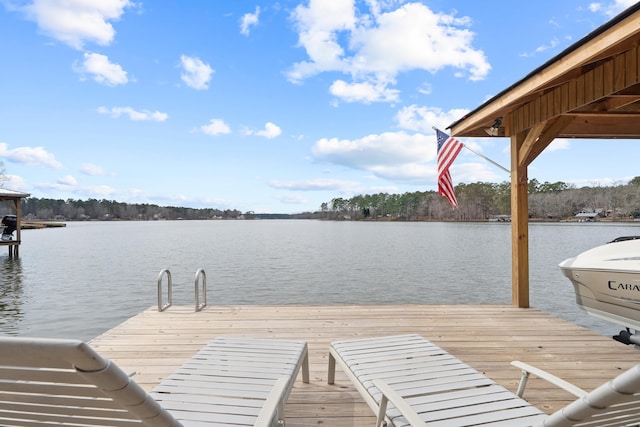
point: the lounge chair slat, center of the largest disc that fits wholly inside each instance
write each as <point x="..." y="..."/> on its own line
<point x="55" y="400"/>
<point x="243" y="404"/>
<point x="416" y="382"/>
<point x="42" y="375"/>
<point x="39" y="419"/>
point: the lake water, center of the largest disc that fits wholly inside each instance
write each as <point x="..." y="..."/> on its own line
<point x="81" y="280"/>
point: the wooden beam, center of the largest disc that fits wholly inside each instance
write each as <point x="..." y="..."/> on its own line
<point x="529" y="144"/>
<point x="555" y="72"/>
<point x="592" y="125"/>
<point x="539" y="138"/>
<point x="519" y="225"/>
<point x="612" y="104"/>
<point x="582" y="92"/>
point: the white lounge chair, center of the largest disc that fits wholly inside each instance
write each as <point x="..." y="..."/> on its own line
<point x="231" y="381"/>
<point x="408" y="381"/>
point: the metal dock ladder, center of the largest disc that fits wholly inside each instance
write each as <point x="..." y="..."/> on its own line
<point x="200" y="290"/>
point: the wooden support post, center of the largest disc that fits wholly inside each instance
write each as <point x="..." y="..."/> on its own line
<point x="525" y="147"/>
<point x="519" y="226"/>
<point x="16" y="248"/>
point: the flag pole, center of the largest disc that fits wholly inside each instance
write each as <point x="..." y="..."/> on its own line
<point x="488" y="159"/>
<point x="483" y="156"/>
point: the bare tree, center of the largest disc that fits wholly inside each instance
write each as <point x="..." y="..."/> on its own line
<point x="3" y="176"/>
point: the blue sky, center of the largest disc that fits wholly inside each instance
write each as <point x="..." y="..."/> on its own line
<point x="273" y="106"/>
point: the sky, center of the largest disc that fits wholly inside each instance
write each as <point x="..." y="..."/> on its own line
<point x="274" y="106"/>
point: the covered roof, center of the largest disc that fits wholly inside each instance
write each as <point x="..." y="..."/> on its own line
<point x="5" y="193"/>
<point x="590" y="90"/>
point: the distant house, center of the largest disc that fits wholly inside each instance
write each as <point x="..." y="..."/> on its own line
<point x="587" y="216"/>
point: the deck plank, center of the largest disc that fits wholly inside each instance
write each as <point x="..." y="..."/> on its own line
<point x="487" y="337"/>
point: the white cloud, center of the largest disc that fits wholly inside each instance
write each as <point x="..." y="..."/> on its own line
<point x="318" y="27"/>
<point x="412" y="172"/>
<point x="425" y="89"/>
<point x="399" y="157"/>
<point x="365" y="92"/>
<point x="553" y="43"/>
<point x="32" y="156"/>
<point x="478" y="171"/>
<point x="423" y="119"/>
<point x="79" y="21"/>
<point x="98" y="191"/>
<point x="249" y="20"/>
<point x="291" y="199"/>
<point x="135" y="115"/>
<point x="216" y="127"/>
<point x="68" y="180"/>
<point x="373" y="48"/>
<point x="595" y="7"/>
<point x="14" y="182"/>
<point x="375" y="151"/>
<point x="611" y="8"/>
<point x="559" y="144"/>
<point x="93" y="170"/>
<point x="270" y="131"/>
<point x="103" y="71"/>
<point x="313" y="185"/>
<point x="196" y="74"/>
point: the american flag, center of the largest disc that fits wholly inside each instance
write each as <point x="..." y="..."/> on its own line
<point x="448" y="149"/>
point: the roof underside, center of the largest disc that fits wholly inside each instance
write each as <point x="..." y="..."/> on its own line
<point x="591" y="90"/>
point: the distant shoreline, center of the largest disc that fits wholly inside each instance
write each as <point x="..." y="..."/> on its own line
<point x="33" y="225"/>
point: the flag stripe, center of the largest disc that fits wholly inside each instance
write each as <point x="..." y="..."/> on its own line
<point x="445" y="188"/>
<point x="448" y="150"/>
<point x="448" y="153"/>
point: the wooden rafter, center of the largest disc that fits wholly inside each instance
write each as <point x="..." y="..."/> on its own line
<point x="593" y="92"/>
<point x="539" y="138"/>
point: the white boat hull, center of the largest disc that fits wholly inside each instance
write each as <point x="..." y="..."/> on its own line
<point x="606" y="280"/>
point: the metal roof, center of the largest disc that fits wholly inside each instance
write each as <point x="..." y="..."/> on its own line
<point x="6" y="193"/>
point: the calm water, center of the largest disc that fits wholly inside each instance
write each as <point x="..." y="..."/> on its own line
<point x="86" y="278"/>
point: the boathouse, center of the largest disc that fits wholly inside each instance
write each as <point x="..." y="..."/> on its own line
<point x="590" y="90"/>
<point x="12" y="199"/>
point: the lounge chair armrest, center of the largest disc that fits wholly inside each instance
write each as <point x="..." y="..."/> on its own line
<point x="559" y="382"/>
<point x="273" y="405"/>
<point x="390" y="395"/>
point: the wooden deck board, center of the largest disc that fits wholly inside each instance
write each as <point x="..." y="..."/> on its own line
<point x="487" y="337"/>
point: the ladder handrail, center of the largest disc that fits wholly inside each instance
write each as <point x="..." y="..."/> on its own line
<point x="161" y="306"/>
<point x="201" y="273"/>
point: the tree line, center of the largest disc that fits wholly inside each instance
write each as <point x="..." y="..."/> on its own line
<point x="477" y="201"/>
<point x="483" y="201"/>
<point x="93" y="209"/>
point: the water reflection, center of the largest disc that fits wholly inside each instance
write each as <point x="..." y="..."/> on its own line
<point x="11" y="295"/>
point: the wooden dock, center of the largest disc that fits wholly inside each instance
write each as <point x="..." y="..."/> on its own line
<point x="486" y="337"/>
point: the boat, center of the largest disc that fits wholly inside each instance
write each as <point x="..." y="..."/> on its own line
<point x="7" y="227"/>
<point x="606" y="280"/>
